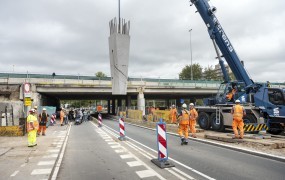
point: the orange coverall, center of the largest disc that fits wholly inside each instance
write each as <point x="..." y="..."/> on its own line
<point x="183" y="124"/>
<point x="231" y="94"/>
<point x="192" y="121"/>
<point x="61" y="115"/>
<point x="173" y="113"/>
<point x="238" y="113"/>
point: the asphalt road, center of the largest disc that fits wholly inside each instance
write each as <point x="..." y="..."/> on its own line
<point x="94" y="153"/>
<point x="216" y="162"/>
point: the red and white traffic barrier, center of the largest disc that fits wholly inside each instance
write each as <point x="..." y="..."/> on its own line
<point x="99" y="120"/>
<point x="162" y="160"/>
<point x="122" y="129"/>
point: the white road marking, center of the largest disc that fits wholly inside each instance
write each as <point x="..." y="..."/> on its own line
<point x="15" y="173"/>
<point x="133" y="156"/>
<point x="177" y="162"/>
<point x="56" y="169"/>
<point x="56" y="143"/>
<point x="183" y="173"/>
<point x="113" y="143"/>
<point x="42" y="163"/>
<point x="134" y="163"/>
<point x="145" y="173"/>
<point x="109" y="140"/>
<point x="120" y="150"/>
<point x="126" y="156"/>
<point x="53" y="150"/>
<point x="175" y="174"/>
<point x="41" y="171"/>
<point x="116" y="146"/>
<point x="23" y="165"/>
<point x="51" y="156"/>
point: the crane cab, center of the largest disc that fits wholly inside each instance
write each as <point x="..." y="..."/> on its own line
<point x="231" y="91"/>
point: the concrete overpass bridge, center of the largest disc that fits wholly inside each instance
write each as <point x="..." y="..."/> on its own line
<point x="49" y="90"/>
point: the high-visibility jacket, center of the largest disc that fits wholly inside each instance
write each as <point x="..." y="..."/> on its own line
<point x="238" y="112"/>
<point x="61" y="114"/>
<point x="33" y="119"/>
<point x="173" y="113"/>
<point x="185" y="117"/>
<point x="193" y="114"/>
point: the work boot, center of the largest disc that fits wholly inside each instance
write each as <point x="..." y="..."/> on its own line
<point x="43" y="134"/>
<point x="182" y="141"/>
<point x="185" y="141"/>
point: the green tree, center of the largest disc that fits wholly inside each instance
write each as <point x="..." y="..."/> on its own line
<point x="210" y="73"/>
<point x="186" y="72"/>
<point x="100" y="74"/>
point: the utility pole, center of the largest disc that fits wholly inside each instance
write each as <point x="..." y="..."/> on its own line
<point x="191" y="54"/>
<point x="119" y="16"/>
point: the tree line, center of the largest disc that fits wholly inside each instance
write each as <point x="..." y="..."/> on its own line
<point x="200" y="73"/>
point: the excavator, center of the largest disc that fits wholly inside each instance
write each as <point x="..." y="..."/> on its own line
<point x="264" y="105"/>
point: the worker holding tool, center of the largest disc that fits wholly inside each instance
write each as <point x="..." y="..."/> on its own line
<point x="238" y="113"/>
<point x="192" y="120"/>
<point x="183" y="121"/>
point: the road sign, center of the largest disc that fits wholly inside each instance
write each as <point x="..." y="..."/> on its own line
<point x="27" y="89"/>
<point x="28" y="101"/>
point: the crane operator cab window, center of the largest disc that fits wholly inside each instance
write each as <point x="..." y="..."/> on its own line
<point x="235" y="90"/>
<point x="276" y="96"/>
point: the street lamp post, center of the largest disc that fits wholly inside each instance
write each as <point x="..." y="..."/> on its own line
<point x="191" y="54"/>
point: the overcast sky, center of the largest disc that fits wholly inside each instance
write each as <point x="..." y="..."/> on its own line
<point x="71" y="36"/>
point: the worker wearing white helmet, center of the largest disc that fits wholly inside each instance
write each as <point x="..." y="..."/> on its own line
<point x="192" y="120"/>
<point x="238" y="113"/>
<point x="32" y="127"/>
<point x="184" y="125"/>
<point x="43" y="119"/>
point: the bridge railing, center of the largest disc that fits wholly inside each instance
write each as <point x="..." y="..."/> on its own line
<point x="17" y="78"/>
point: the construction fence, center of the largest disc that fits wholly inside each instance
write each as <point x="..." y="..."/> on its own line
<point x="154" y="116"/>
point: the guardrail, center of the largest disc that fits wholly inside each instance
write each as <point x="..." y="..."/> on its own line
<point x="9" y="78"/>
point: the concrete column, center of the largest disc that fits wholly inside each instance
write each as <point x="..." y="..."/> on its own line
<point x="129" y="101"/>
<point x="141" y="102"/>
<point x="113" y="106"/>
<point x="119" y="47"/>
<point x="109" y="106"/>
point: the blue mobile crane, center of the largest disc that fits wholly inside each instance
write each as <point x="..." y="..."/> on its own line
<point x="263" y="104"/>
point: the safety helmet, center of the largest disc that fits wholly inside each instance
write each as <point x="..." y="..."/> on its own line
<point x="173" y="105"/>
<point x="44" y="109"/>
<point x="184" y="105"/>
<point x="32" y="110"/>
<point x="237" y="101"/>
<point x="191" y="104"/>
<point x="35" y="107"/>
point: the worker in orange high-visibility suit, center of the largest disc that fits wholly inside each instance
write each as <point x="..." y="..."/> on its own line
<point x="231" y="94"/>
<point x="238" y="112"/>
<point x="173" y="114"/>
<point x="184" y="125"/>
<point x="61" y="116"/>
<point x="192" y="120"/>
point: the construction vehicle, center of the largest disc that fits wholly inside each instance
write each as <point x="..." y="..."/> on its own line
<point x="264" y="105"/>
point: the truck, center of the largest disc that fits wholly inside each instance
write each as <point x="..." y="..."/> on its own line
<point x="264" y="105"/>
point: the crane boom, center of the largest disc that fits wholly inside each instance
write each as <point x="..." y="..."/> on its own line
<point x="217" y="33"/>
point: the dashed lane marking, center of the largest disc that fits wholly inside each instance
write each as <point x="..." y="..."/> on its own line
<point x="111" y="143"/>
<point x="134" y="163"/>
<point x="130" y="155"/>
<point x="177" y="162"/>
<point x="145" y="173"/>
<point x="51" y="156"/>
<point x="41" y="171"/>
<point x="53" y="150"/>
<point x="43" y="163"/>
<point x="126" y="156"/>
<point x="15" y="173"/>
<point x="120" y="150"/>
